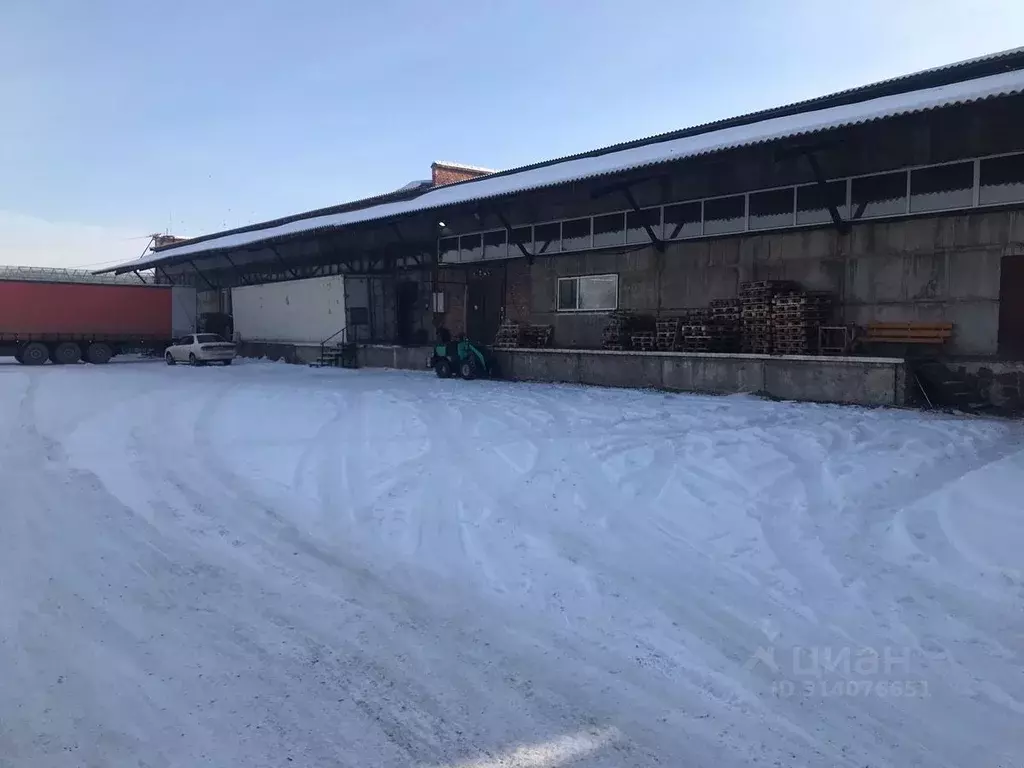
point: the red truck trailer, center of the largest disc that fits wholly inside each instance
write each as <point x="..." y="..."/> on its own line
<point x="65" y="322"/>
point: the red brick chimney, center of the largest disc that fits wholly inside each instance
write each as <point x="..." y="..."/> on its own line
<point x="449" y="173"/>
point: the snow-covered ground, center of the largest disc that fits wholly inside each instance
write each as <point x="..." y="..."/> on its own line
<point x="269" y="565"/>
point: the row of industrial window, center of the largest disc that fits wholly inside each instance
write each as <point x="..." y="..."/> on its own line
<point x="989" y="181"/>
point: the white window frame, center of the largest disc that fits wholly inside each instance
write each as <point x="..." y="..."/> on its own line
<point x="577" y="279"/>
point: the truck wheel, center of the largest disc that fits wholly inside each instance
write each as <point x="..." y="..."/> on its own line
<point x="443" y="368"/>
<point x="66" y="353"/>
<point x="99" y="353"/>
<point x="35" y="353"/>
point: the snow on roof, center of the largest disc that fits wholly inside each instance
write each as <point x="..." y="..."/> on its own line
<point x="633" y="157"/>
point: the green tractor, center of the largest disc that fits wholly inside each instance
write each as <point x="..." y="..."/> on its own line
<point x="460" y="358"/>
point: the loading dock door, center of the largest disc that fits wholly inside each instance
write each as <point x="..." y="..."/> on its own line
<point x="409" y="312"/>
<point x="484" y="303"/>
<point x="1011" y="307"/>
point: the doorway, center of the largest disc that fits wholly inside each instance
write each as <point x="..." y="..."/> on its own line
<point x="485" y="300"/>
<point x="408" y="315"/>
<point x="1011" y="307"/>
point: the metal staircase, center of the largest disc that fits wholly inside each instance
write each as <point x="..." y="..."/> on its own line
<point x="337" y="353"/>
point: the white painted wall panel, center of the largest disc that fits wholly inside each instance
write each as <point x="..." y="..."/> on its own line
<point x="295" y="312"/>
<point x="183" y="310"/>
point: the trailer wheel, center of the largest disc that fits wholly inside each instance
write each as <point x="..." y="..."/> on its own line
<point x="99" y="353"/>
<point x="66" y="353"/>
<point x="35" y="353"/>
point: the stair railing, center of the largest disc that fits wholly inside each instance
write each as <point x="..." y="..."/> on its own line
<point x="323" y="344"/>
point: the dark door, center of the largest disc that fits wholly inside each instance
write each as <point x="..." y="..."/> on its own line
<point x="1011" y="307"/>
<point x="483" y="313"/>
<point x="408" y="314"/>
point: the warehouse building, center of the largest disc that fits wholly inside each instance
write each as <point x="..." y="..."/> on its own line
<point x="902" y="199"/>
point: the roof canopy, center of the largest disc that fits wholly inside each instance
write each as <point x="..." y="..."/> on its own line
<point x="786" y="122"/>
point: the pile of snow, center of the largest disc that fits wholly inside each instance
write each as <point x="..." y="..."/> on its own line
<point x="268" y="564"/>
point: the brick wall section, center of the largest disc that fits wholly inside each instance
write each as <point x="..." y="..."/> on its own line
<point x="442" y="173"/>
<point x="453" y="283"/>
<point x="517" y="290"/>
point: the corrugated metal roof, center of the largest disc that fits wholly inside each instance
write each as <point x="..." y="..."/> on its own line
<point x="61" y="275"/>
<point x="786" y="123"/>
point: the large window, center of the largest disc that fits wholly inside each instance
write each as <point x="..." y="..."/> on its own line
<point x="609" y="230"/>
<point x="772" y="209"/>
<point x="470" y="247"/>
<point x="576" y="234"/>
<point x="882" y="195"/>
<point x="941" y="187"/>
<point x="591" y="293"/>
<point x="546" y="238"/>
<point x="724" y="214"/>
<point x="813" y="203"/>
<point x="1002" y="180"/>
<point x="448" y="250"/>
<point x="637" y="223"/>
<point x="683" y="220"/>
<point x="521" y="236"/>
<point x="495" y="244"/>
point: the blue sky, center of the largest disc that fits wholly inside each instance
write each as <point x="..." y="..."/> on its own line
<point x="120" y="118"/>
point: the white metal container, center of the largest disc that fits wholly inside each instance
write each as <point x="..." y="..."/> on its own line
<point x="293" y="312"/>
<point x="183" y="310"/>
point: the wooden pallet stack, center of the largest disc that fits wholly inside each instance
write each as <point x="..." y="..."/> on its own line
<point x="756" y="326"/>
<point x="796" y="318"/>
<point x="616" y="333"/>
<point x="725" y="325"/>
<point x="643" y="341"/>
<point x="694" y="337"/>
<point x="667" y="333"/>
<point x="509" y="336"/>
<point x="537" y="336"/>
<point x="696" y="315"/>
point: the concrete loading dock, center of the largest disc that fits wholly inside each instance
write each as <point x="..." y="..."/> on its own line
<point x="853" y="380"/>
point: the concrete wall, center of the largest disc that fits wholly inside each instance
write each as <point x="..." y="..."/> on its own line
<point x="369" y="355"/>
<point x="941" y="268"/>
<point x="298" y="354"/>
<point x="863" y="381"/>
<point x="385" y="356"/>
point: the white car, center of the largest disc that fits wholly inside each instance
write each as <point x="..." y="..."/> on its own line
<point x="200" y="349"/>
